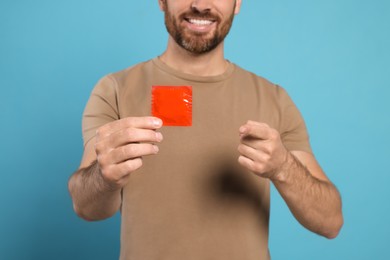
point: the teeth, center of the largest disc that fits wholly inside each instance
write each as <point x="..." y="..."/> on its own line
<point x="200" y="22"/>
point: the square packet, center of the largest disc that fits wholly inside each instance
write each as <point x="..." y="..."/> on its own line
<point x="172" y="104"/>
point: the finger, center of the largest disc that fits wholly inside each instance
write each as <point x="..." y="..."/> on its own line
<point x="256" y="130"/>
<point x="262" y="145"/>
<point x="119" y="173"/>
<point x="133" y="135"/>
<point x="128" y="152"/>
<point x="253" y="154"/>
<point x="243" y="128"/>
<point x="151" y="123"/>
<point x="130" y="166"/>
<point x="258" y="168"/>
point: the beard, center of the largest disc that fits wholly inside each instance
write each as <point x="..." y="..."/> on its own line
<point x="197" y="42"/>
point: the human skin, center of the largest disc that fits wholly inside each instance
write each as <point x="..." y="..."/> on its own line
<point x="197" y="31"/>
<point x="117" y="150"/>
<point x="96" y="186"/>
<point x="205" y="64"/>
<point x="311" y="197"/>
<point x="109" y="158"/>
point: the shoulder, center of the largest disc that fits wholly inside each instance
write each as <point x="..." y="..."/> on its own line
<point x="115" y="82"/>
<point x="262" y="84"/>
<point x="131" y="72"/>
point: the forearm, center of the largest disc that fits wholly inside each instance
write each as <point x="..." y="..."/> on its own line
<point x="316" y="204"/>
<point x="92" y="198"/>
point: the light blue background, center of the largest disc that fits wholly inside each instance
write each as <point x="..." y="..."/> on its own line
<point x="332" y="56"/>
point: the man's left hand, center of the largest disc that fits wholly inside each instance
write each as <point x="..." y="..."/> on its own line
<point x="261" y="149"/>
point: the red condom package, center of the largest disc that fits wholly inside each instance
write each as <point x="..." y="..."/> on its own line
<point x="172" y="104"/>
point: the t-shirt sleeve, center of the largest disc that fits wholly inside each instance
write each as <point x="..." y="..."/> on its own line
<point x="101" y="108"/>
<point x="293" y="128"/>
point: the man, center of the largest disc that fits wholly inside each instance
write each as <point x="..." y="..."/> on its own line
<point x="199" y="191"/>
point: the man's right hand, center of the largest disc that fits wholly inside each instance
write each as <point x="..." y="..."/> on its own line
<point x="120" y="145"/>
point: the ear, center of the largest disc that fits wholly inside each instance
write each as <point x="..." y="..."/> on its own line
<point x="162" y="5"/>
<point x="237" y="7"/>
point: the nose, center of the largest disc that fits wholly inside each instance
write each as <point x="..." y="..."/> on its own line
<point x="201" y="6"/>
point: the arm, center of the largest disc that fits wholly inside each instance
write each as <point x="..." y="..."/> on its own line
<point x="311" y="197"/>
<point x="108" y="160"/>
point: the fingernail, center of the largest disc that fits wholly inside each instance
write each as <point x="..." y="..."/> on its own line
<point x="157" y="122"/>
<point x="159" y="136"/>
<point x="155" y="147"/>
<point x="242" y="129"/>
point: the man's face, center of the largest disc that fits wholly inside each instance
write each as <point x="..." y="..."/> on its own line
<point x="200" y="27"/>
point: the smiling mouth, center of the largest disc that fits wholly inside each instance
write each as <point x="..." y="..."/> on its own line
<point x="199" y="22"/>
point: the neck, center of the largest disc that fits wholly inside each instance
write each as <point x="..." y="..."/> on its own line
<point x="208" y="64"/>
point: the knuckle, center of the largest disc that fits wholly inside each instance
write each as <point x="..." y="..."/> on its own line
<point x="129" y="131"/>
<point x="99" y="147"/>
<point x="121" y="153"/>
<point x="268" y="148"/>
<point x="125" y="152"/>
<point x="268" y="158"/>
<point x="133" y="134"/>
<point x="274" y="134"/>
<point x="98" y="133"/>
<point x="128" y="121"/>
<point x="107" y="174"/>
<point x="103" y="162"/>
<point x="101" y="131"/>
<point x="131" y="150"/>
<point x="112" y="176"/>
<point x="265" y="157"/>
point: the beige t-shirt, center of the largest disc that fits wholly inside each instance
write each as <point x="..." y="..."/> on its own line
<point x="192" y="200"/>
